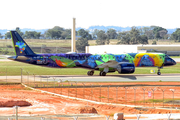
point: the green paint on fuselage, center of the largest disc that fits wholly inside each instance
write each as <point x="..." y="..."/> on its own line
<point x="130" y="58"/>
<point x="107" y="57"/>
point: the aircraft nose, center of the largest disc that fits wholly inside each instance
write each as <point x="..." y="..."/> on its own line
<point x="169" y="62"/>
<point x="174" y="62"/>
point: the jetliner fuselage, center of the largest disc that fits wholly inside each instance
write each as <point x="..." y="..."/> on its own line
<point x="123" y="63"/>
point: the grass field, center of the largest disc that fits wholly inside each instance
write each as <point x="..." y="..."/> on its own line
<point x="13" y="68"/>
<point x="67" y="43"/>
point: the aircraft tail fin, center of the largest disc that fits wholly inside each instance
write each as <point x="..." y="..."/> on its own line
<point x="20" y="46"/>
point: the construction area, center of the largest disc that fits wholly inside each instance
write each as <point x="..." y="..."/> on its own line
<point x="50" y="98"/>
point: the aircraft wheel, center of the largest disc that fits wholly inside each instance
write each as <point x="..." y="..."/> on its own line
<point x="158" y="73"/>
<point x="90" y="73"/>
<point x="100" y="74"/>
<point x="103" y="74"/>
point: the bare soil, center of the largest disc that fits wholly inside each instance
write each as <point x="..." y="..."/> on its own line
<point x="42" y="103"/>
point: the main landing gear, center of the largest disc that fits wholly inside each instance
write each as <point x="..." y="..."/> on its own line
<point x="159" y="73"/>
<point x="102" y="73"/>
<point x="90" y="73"/>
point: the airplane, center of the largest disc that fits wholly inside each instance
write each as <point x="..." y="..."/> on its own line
<point x="105" y="63"/>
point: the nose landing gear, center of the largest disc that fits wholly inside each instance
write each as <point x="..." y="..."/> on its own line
<point x="159" y="73"/>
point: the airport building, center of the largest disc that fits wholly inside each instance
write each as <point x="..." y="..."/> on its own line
<point x="173" y="50"/>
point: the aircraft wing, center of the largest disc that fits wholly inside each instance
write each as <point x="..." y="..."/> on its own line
<point x="121" y="67"/>
<point x="110" y="63"/>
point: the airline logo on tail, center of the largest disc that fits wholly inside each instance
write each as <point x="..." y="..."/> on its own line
<point x="21" y="45"/>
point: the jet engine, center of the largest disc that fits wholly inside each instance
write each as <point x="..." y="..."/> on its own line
<point x="125" y="68"/>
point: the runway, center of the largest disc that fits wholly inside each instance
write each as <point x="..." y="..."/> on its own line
<point x="119" y="78"/>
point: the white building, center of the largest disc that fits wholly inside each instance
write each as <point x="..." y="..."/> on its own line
<point x="120" y="49"/>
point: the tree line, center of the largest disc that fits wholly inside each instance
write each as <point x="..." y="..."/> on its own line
<point x="102" y="37"/>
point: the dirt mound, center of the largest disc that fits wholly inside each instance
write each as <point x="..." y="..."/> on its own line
<point x="11" y="103"/>
<point x="87" y="109"/>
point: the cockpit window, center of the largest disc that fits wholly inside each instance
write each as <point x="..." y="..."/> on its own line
<point x="167" y="56"/>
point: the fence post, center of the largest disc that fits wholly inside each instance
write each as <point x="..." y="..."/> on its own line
<point x="173" y="90"/>
<point x="163" y="96"/>
<point x="47" y="83"/>
<point x="134" y="95"/>
<point x="83" y="89"/>
<point x="75" y="118"/>
<point x="16" y="108"/>
<point x="21" y="75"/>
<point x="28" y="78"/>
<point x="117" y="94"/>
<point x="61" y="86"/>
<point x="100" y="93"/>
<point x="107" y="117"/>
<point x="169" y="115"/>
<point x="138" y="116"/>
<point x="153" y="95"/>
<point x="91" y="91"/>
<point x="34" y="80"/>
<point x="144" y="95"/>
<point x="40" y="80"/>
<point x="68" y="88"/>
<point x="108" y="94"/>
<point x="6" y="75"/>
<point x="42" y="118"/>
<point x="54" y="84"/>
<point x="126" y="94"/>
<point x="76" y="89"/>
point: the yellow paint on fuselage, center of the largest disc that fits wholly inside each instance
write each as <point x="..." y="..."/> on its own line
<point x="158" y="62"/>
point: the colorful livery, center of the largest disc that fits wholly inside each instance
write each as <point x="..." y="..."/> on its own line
<point x="122" y="63"/>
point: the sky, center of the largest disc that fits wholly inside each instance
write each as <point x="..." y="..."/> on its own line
<point x="45" y="14"/>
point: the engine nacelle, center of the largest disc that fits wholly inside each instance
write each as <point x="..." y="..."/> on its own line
<point x="125" y="68"/>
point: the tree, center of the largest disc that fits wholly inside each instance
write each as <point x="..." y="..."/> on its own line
<point x="149" y="34"/>
<point x="57" y="28"/>
<point x="8" y="35"/>
<point x="81" y="43"/>
<point x="102" y="38"/>
<point x="19" y="31"/>
<point x="132" y="37"/>
<point x="134" y="33"/>
<point x="162" y="33"/>
<point x="143" y="39"/>
<point x="157" y="35"/>
<point x="157" y="30"/>
<point x="124" y="37"/>
<point x="53" y="34"/>
<point x="94" y="34"/>
<point x="65" y="34"/>
<point x="32" y="35"/>
<point x="112" y="34"/>
<point x="1" y="36"/>
<point x="176" y="35"/>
